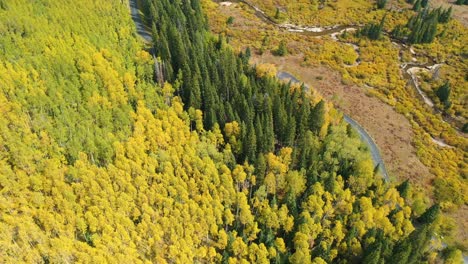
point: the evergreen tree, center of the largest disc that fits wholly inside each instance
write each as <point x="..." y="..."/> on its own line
<point x="372" y="31"/>
<point x="230" y="20"/>
<point x="317" y="117"/>
<point x="372" y="254"/>
<point x="430" y="215"/>
<point x="420" y="239"/>
<point x="417" y="6"/>
<point x="444" y="15"/>
<point x="250" y="144"/>
<point x="277" y="14"/>
<point x="282" y="49"/>
<point x="398" y="32"/>
<point x="465" y="128"/>
<point x="401" y="253"/>
<point x="443" y="92"/>
<point x="381" y="4"/>
<point x="404" y="188"/>
<point x="423" y="27"/>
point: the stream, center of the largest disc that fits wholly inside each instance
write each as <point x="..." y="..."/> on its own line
<point x="409" y="70"/>
<point x="145" y="34"/>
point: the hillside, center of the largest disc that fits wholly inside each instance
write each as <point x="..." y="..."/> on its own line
<point x="116" y="150"/>
<point x="411" y="97"/>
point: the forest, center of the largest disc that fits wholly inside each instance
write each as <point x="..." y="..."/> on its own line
<point x="378" y="66"/>
<point x="106" y="158"/>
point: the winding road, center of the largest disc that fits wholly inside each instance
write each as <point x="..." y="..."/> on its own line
<point x="409" y="69"/>
<point x="145" y="33"/>
<point x="376" y="157"/>
<point x="142" y="30"/>
<point x="375" y="153"/>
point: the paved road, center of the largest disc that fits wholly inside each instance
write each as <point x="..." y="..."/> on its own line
<point x="146" y="35"/>
<point x="142" y="30"/>
<point x="376" y="157"/>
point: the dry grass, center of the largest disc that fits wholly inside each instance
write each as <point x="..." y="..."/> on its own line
<point x="391" y="130"/>
<point x="460" y="12"/>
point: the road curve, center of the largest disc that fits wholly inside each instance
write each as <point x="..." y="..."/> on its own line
<point x="146" y="35"/>
<point x="332" y="31"/>
<point x="375" y="153"/>
<point x="377" y="159"/>
<point x="142" y="30"/>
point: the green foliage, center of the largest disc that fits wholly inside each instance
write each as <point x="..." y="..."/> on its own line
<point x="398" y="32"/>
<point x="465" y="128"/>
<point x="379" y="68"/>
<point x="444" y="15"/>
<point x="424" y="3"/>
<point x="423" y="26"/>
<point x="430" y="215"/>
<point x="282" y="49"/>
<point x="404" y="189"/>
<point x="372" y="31"/>
<point x="443" y="93"/>
<point x="99" y="163"/>
<point x="381" y="4"/>
<point x="417" y="6"/>
<point x="452" y="255"/>
<point x="3" y="5"/>
<point x="230" y="20"/>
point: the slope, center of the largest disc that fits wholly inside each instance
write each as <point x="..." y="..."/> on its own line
<point x="100" y="163"/>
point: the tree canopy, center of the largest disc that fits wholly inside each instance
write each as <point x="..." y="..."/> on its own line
<point x="102" y="161"/>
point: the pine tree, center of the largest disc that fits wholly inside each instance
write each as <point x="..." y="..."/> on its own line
<point x="398" y="32"/>
<point x="372" y="254"/>
<point x="250" y="144"/>
<point x="465" y="128"/>
<point x="404" y="188"/>
<point x="372" y="31"/>
<point x="443" y="92"/>
<point x="230" y="20"/>
<point x="317" y="117"/>
<point x="417" y="6"/>
<point x="248" y="54"/>
<point x="401" y="253"/>
<point x="381" y="4"/>
<point x="430" y="215"/>
<point x="420" y="239"/>
<point x="277" y="14"/>
<point x="282" y="49"/>
<point x="423" y="27"/>
<point x="445" y="15"/>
